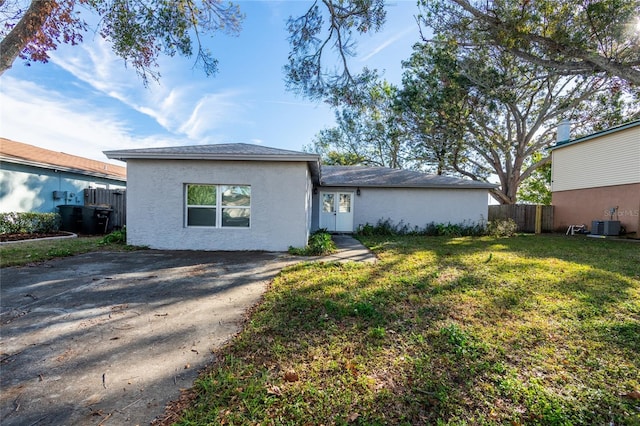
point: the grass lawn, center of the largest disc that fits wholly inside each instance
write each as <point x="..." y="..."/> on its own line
<point x="25" y="252"/>
<point x="526" y="330"/>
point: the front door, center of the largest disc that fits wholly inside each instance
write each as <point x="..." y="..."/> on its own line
<point x="336" y="211"/>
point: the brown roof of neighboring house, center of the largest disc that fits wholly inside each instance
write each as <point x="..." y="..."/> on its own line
<point x="22" y="153"/>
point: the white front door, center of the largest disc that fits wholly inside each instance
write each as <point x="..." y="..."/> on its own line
<point x="336" y="211"/>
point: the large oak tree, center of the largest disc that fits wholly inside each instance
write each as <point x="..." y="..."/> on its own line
<point x="568" y="36"/>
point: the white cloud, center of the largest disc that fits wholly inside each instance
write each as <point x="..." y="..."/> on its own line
<point x="184" y="107"/>
<point x="386" y="43"/>
<point x="47" y="119"/>
<point x="209" y="113"/>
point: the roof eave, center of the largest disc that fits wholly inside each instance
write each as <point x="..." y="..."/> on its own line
<point x="124" y="155"/>
<point x="24" y="162"/>
<point x="434" y="186"/>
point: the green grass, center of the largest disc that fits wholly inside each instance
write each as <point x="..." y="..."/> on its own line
<point x="527" y="330"/>
<point x="26" y="252"/>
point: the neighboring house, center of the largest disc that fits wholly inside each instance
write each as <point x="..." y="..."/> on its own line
<point x="597" y="178"/>
<point x="249" y="197"/>
<point x="38" y="180"/>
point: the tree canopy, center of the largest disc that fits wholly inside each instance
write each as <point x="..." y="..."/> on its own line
<point x="471" y="107"/>
<point x="569" y="36"/>
<point x="138" y="30"/>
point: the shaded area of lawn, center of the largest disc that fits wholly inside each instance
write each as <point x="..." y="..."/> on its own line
<point x="526" y="330"/>
<point x="30" y="251"/>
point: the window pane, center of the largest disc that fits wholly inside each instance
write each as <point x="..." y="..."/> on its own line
<point x="327" y="203"/>
<point x="236" y="217"/>
<point x="236" y="195"/>
<point x="201" y="216"/>
<point x="201" y="195"/>
<point x="345" y="203"/>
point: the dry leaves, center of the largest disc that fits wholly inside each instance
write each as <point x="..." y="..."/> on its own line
<point x="634" y="394"/>
<point x="291" y="376"/>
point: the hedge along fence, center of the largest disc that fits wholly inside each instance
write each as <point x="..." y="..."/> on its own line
<point x="29" y="223"/>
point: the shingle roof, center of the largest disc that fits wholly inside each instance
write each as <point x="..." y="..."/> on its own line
<point x="384" y="177"/>
<point x="329" y="175"/>
<point x="22" y="153"/>
<point x="229" y="151"/>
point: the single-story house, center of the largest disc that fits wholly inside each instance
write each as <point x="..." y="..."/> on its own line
<point x="250" y="197"/>
<point x="34" y="179"/>
<point x="596" y="178"/>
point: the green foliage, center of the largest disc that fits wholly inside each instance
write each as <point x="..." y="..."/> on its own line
<point x="568" y="37"/>
<point x="320" y="36"/>
<point x="386" y="227"/>
<point x="473" y="109"/>
<point x="320" y="243"/>
<point x="336" y="158"/>
<point x="138" y="31"/>
<point x="116" y="237"/>
<point x="502" y="228"/>
<point x="29" y="223"/>
<point x="536" y="189"/>
<point x="368" y="132"/>
<point x="201" y="195"/>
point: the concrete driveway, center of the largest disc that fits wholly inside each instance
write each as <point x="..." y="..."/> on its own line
<point x="110" y="338"/>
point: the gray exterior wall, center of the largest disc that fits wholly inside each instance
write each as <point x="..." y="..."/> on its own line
<point x="26" y="188"/>
<point x="280" y="202"/>
<point x="413" y="206"/>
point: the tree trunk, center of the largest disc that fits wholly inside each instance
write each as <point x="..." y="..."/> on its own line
<point x="24" y="31"/>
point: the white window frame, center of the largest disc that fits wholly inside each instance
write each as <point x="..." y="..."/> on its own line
<point x="218" y="207"/>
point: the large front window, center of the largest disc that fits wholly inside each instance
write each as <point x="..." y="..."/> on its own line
<point x="220" y="206"/>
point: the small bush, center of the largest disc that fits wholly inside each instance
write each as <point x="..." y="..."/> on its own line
<point x="29" y="223"/>
<point x="116" y="237"/>
<point x="385" y="227"/>
<point x="320" y="243"/>
<point x="502" y="228"/>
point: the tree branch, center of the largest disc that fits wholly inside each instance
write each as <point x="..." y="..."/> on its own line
<point x="25" y="30"/>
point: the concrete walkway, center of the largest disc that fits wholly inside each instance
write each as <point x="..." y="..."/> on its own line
<point x="349" y="250"/>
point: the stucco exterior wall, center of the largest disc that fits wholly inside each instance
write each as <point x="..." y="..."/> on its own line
<point x="607" y="160"/>
<point x="413" y="206"/>
<point x="156" y="209"/>
<point x="582" y="206"/>
<point x="30" y="189"/>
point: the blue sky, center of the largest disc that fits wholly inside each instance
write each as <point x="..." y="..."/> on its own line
<point x="85" y="100"/>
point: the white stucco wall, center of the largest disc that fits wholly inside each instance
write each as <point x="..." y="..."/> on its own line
<point x="414" y="206"/>
<point x="155" y="204"/>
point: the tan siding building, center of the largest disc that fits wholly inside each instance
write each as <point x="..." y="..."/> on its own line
<point x="597" y="178"/>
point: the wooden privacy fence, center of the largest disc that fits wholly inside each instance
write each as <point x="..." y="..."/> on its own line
<point x="115" y="199"/>
<point x="524" y="215"/>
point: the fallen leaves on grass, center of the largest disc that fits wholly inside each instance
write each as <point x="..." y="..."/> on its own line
<point x="291" y="376"/>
